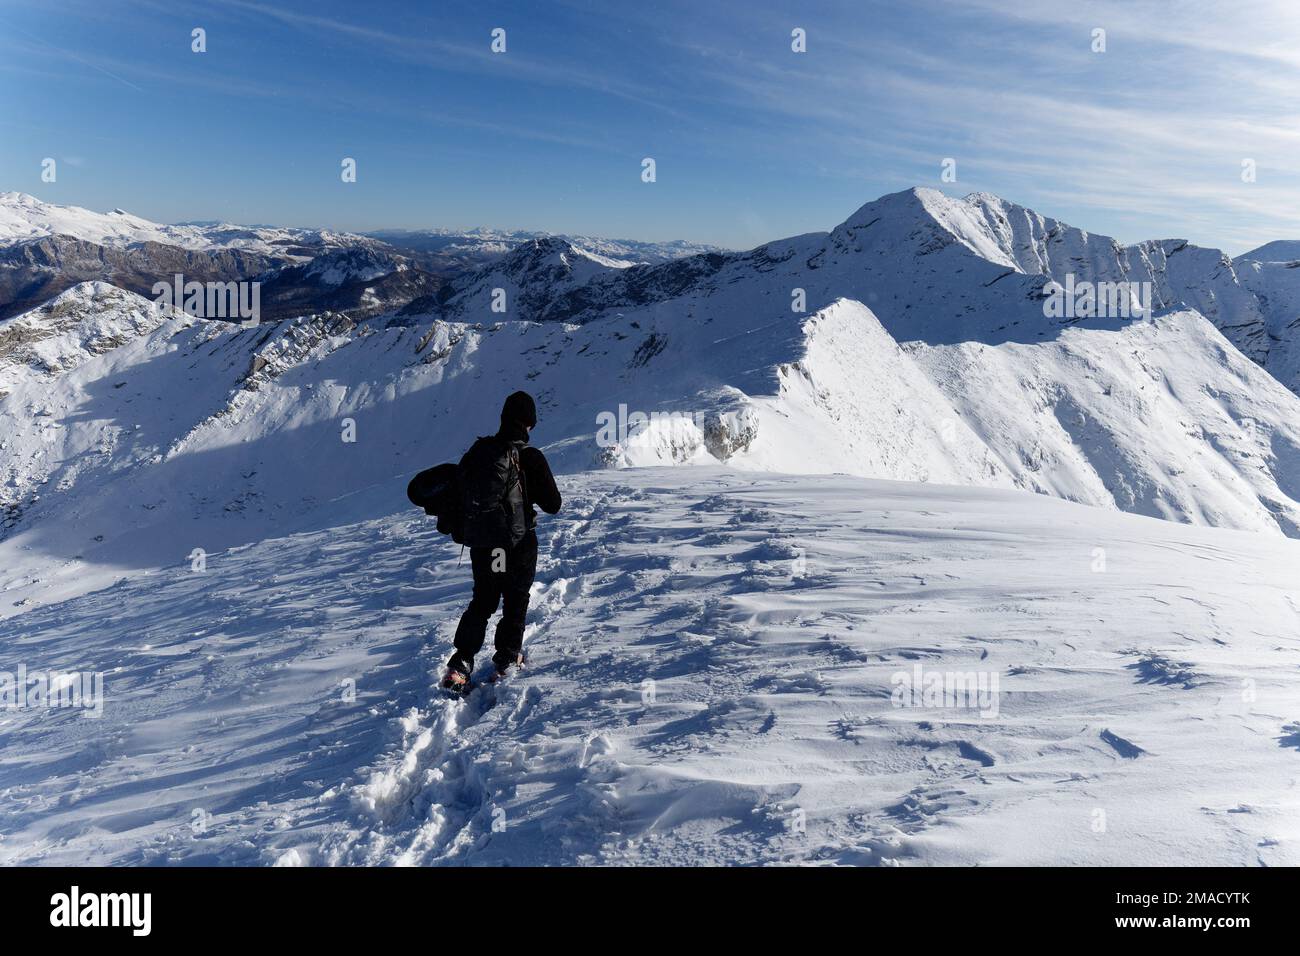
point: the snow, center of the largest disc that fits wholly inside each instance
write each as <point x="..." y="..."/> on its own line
<point x="856" y="402"/>
<point x="1280" y="250"/>
<point x="794" y="510"/>
<point x="482" y="243"/>
<point x="1161" y="417"/>
<point x="1276" y="284"/>
<point x="183" y="428"/>
<point x="528" y="276"/>
<point x="715" y="660"/>
<point x="351" y="265"/>
<point x="24" y="217"/>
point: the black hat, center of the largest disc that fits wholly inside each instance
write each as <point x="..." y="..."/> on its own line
<point x="521" y="409"/>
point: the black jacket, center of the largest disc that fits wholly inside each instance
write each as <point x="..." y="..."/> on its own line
<point x="539" y="483"/>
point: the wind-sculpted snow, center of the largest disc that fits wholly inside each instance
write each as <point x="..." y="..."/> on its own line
<point x="729" y="663"/>
<point x="724" y="668"/>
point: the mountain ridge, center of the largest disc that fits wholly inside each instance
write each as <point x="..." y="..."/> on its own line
<point x="905" y="343"/>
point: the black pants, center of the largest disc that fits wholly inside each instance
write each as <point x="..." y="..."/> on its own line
<point x="498" y="576"/>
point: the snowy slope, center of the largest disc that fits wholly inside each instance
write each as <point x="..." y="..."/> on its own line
<point x="1276" y="284"/>
<point x="24" y="217"/>
<point x="34" y="271"/>
<point x="129" y="455"/>
<point x="87" y="320"/>
<point x="1279" y="250"/>
<point x="934" y="269"/>
<point x="46" y="248"/>
<point x="530" y="276"/>
<point x="189" y="421"/>
<point x="1160" y="417"/>
<point x="714" y="664"/>
<point x="1181" y="275"/>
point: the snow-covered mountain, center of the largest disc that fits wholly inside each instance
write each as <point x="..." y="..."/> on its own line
<point x="46" y="248"/>
<point x="36" y="270"/>
<point x="24" y="217"/>
<point x="360" y="281"/>
<point x="474" y="247"/>
<point x="136" y="435"/>
<point x="214" y="517"/>
<point x="524" y="281"/>
<point x="1272" y="273"/>
<point x="1180" y="274"/>
<point x="923" y="354"/>
<point x="1158" y="415"/>
<point x="914" y="251"/>
<point x="1279" y="250"/>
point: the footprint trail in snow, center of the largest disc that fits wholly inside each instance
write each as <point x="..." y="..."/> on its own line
<point x="714" y="669"/>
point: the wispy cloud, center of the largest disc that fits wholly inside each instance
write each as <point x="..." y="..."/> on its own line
<point x="1146" y="139"/>
<point x="51" y="50"/>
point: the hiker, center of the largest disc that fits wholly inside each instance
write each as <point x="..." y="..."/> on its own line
<point x="503" y="478"/>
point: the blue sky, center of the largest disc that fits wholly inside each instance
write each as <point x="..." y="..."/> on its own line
<point x="751" y="140"/>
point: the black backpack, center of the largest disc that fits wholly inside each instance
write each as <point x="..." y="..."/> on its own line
<point x="492" y="494"/>
<point x="437" y="491"/>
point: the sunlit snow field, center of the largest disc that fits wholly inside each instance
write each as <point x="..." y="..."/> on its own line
<point x="714" y="678"/>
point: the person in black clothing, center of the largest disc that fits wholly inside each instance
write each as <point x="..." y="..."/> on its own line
<point x="506" y="575"/>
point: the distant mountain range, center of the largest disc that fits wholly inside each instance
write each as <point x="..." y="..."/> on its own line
<point x="46" y="248"/>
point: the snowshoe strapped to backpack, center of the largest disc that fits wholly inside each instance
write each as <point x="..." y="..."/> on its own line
<point x="492" y="494"/>
<point x="437" y="491"/>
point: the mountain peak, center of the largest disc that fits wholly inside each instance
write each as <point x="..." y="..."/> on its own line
<point x="940" y="219"/>
<point x="911" y="200"/>
<point x="556" y="251"/>
<point x="1279" y="250"/>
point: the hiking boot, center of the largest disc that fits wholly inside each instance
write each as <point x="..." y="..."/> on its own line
<point x="502" y="669"/>
<point x="454" y="680"/>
